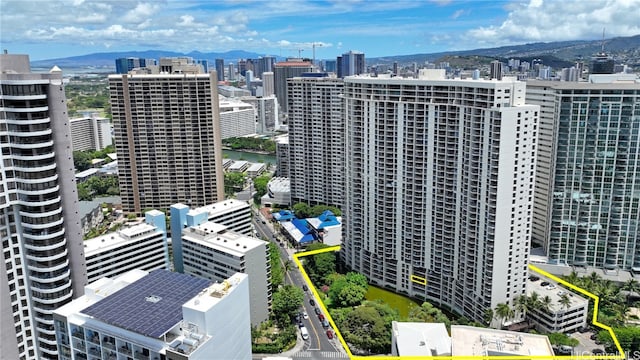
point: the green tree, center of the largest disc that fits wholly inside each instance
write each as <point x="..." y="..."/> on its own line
<point x="277" y="273"/>
<point x="317" y="210"/>
<point x="631" y="286"/>
<point x="286" y="303"/>
<point x="233" y="182"/>
<point x="562" y="339"/>
<point x="81" y="160"/>
<point x="302" y="210"/>
<point x="428" y="313"/>
<point x="357" y="279"/>
<point x="260" y="184"/>
<point x="320" y="266"/>
<point x="503" y="312"/>
<point x="348" y="290"/>
<point x="565" y="301"/>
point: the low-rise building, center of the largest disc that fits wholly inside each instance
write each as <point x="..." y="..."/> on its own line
<point x="566" y="311"/>
<point x="327" y="227"/>
<point x="239" y="166"/>
<point x="278" y="192"/>
<point x="474" y="341"/>
<point x="211" y="251"/>
<point x="157" y="315"/>
<point x="256" y="169"/>
<point x="90" y="215"/>
<point x="142" y="246"/>
<point x="419" y="339"/>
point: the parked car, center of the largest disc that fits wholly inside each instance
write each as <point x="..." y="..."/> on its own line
<point x="597" y="351"/>
<point x="305" y="287"/>
<point x="325" y="323"/>
<point x="329" y="334"/>
<point x="304" y="332"/>
<point x="300" y="324"/>
<point x="544" y="283"/>
<point x="312" y="302"/>
<point x="317" y="310"/>
<point x="321" y="317"/>
<point x="305" y="315"/>
<point x="534" y="278"/>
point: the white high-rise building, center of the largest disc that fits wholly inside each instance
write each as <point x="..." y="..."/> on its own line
<point x="43" y="260"/>
<point x="267" y="84"/>
<point x="316" y="140"/>
<point x="237" y="118"/>
<point x="587" y="204"/>
<point x="439" y="187"/>
<point x="157" y="315"/>
<point x="90" y="133"/>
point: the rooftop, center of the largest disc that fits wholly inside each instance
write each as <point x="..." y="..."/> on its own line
<point x="421" y="339"/>
<point x="222" y="207"/>
<point x="150" y="306"/>
<point x="472" y="341"/>
<point x="215" y="235"/>
<point x="115" y="239"/>
<point x="554" y="292"/>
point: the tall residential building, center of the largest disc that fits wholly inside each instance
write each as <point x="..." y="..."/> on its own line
<point x="282" y="156"/>
<point x="496" y="70"/>
<point x="157" y="315"/>
<point x="286" y="70"/>
<point x="266" y="111"/>
<point x="142" y="246"/>
<point x="90" y="133"/>
<point x="352" y="64"/>
<point x="316" y="140"/>
<point x="124" y="65"/>
<point x="167" y="132"/>
<point x="268" y="84"/>
<point x="220" y="69"/>
<point x="439" y="187"/>
<point x="237" y="118"/>
<point x="587" y="205"/>
<point x="211" y="251"/>
<point x="231" y="72"/>
<point x="43" y="259"/>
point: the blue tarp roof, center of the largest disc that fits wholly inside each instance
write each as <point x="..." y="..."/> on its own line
<point x="299" y="230"/>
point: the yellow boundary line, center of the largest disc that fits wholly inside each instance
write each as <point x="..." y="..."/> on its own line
<point x="595" y="322"/>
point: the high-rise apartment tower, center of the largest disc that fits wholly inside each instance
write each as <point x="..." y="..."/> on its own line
<point x="587" y="208"/>
<point x="43" y="260"/>
<point x="167" y="136"/>
<point x="316" y="140"/>
<point x="439" y="187"/>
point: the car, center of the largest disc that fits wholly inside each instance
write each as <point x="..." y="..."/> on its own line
<point x="305" y="287"/>
<point x="533" y="278"/>
<point x="317" y="311"/>
<point x="597" y="351"/>
<point x="297" y="317"/>
<point x="264" y="222"/>
<point x="320" y="317"/>
<point x="329" y="334"/>
<point x="593" y="336"/>
<point x="312" y="302"/>
<point x="305" y="315"/>
<point x="583" y="330"/>
<point x="300" y="324"/>
<point x="544" y="283"/>
<point x="325" y="323"/>
<point x="304" y="333"/>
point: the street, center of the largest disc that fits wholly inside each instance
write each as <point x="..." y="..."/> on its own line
<point x="318" y="346"/>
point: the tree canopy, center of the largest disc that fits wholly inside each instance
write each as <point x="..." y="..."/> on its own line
<point x="428" y="313"/>
<point x="286" y="302"/>
<point x="320" y="266"/>
<point x="368" y="327"/>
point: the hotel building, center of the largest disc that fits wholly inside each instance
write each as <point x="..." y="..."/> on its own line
<point x="43" y="259"/>
<point x="316" y="140"/>
<point x="439" y="187"/>
<point x="167" y="132"/>
<point x="587" y="203"/>
<point x="90" y="133"/>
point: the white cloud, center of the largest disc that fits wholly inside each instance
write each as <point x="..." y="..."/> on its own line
<point x="546" y="21"/>
<point x="140" y="13"/>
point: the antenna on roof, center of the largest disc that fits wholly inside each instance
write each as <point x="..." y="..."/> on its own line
<point x="602" y="49"/>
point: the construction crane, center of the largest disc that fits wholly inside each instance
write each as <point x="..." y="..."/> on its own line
<point x="314" y="51"/>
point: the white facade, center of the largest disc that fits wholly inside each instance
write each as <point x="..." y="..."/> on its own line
<point x="89" y="328"/>
<point x="210" y="251"/>
<point x="419" y="339"/>
<point x="266" y="111"/>
<point x="282" y="156"/>
<point x="40" y="227"/>
<point x="316" y="140"/>
<point x="267" y="84"/>
<point x="558" y="317"/>
<point x="90" y="133"/>
<point x="439" y="187"/>
<point x="477" y="342"/>
<point x="237" y="119"/>
<point x="141" y="246"/>
<point x="278" y="192"/>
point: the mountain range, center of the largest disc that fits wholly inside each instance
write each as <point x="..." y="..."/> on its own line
<point x="624" y="49"/>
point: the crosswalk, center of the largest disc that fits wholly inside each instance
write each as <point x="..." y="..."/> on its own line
<point x="323" y="355"/>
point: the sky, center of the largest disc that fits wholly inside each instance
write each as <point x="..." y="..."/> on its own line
<point x="46" y="29"/>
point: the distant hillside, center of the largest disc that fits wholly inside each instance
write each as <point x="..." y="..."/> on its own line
<point x="629" y="47"/>
<point x="108" y="59"/>
<point x="561" y="53"/>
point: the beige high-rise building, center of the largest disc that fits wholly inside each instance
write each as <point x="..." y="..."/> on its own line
<point x="167" y="136"/>
<point x="43" y="256"/>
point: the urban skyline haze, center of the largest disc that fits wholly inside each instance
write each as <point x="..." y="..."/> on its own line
<point x="47" y="30"/>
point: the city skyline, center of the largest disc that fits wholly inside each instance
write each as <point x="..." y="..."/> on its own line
<point x="377" y="28"/>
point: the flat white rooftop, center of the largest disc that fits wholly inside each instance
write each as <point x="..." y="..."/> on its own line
<point x="473" y="341"/>
<point x="209" y="234"/>
<point x="117" y="238"/>
<point x="222" y="207"/>
<point x="421" y="339"/>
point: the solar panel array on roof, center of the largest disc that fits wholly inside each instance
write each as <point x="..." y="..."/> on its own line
<point x="150" y="306"/>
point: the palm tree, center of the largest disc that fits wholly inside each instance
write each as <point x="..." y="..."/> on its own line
<point x="545" y="303"/>
<point x="565" y="301"/>
<point x="631" y="286"/>
<point x="503" y="312"/>
<point x="488" y="316"/>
